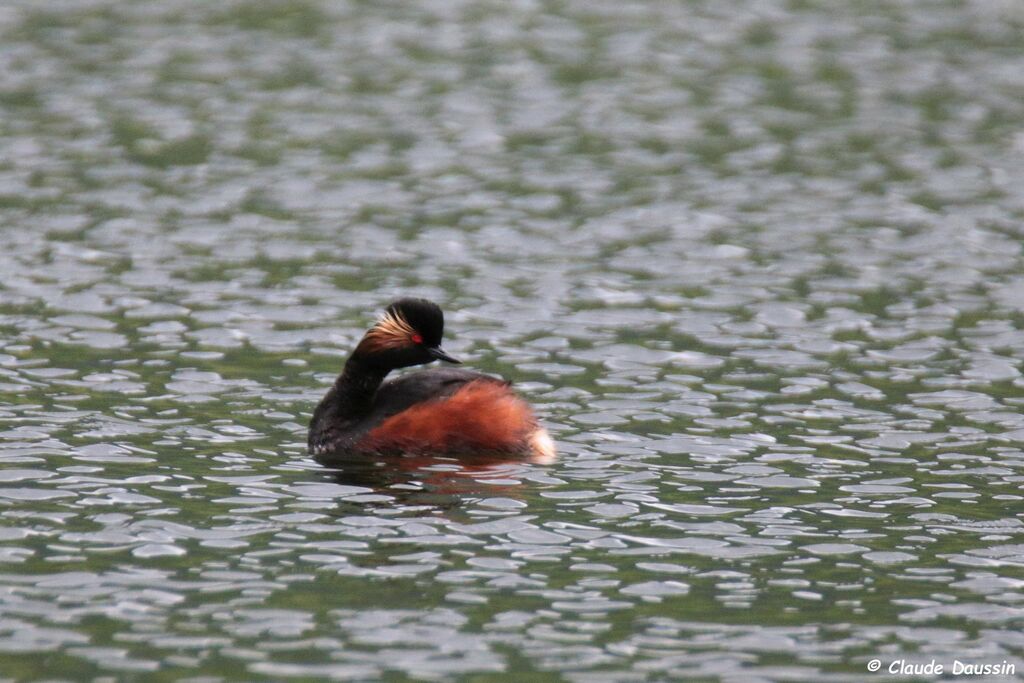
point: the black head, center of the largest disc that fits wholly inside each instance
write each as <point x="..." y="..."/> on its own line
<point x="409" y="333"/>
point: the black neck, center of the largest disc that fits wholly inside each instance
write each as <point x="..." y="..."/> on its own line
<point x="349" y="400"/>
<point x="354" y="389"/>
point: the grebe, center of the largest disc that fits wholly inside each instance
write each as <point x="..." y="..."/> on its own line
<point x="442" y="411"/>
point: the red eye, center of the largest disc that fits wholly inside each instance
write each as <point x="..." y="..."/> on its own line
<point x="417" y="339"/>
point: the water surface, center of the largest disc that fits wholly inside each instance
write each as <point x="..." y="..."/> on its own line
<point x="757" y="265"/>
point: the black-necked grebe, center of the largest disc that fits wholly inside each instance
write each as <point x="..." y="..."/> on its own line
<point x="442" y="411"/>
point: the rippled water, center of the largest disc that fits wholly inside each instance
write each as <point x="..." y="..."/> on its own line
<point x="757" y="264"/>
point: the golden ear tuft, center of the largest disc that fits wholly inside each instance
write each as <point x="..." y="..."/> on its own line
<point x="392" y="331"/>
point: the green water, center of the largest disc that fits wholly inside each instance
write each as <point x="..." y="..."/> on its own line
<point x="757" y="265"/>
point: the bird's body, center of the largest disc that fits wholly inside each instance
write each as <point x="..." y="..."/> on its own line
<point x="441" y="411"/>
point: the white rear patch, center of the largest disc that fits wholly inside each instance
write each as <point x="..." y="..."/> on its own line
<point x="542" y="448"/>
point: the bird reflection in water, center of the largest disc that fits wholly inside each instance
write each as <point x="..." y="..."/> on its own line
<point x="433" y="481"/>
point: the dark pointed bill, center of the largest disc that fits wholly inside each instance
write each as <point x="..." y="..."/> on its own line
<point x="438" y="353"/>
